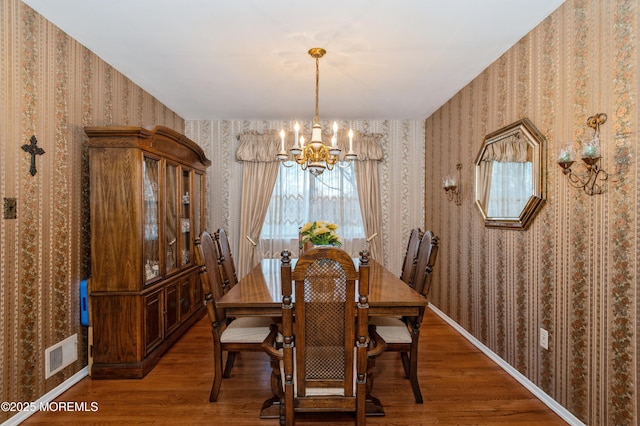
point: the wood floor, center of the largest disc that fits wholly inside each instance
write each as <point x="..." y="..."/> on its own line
<point x="460" y="385"/>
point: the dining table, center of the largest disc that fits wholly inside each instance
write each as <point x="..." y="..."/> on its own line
<point x="259" y="294"/>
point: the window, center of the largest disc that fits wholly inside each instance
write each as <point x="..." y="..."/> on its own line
<point x="299" y="197"/>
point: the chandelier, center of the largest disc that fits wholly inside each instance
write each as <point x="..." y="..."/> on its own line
<point x="315" y="156"/>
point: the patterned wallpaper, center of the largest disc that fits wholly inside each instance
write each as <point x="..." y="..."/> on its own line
<point x="50" y="87"/>
<point x="401" y="175"/>
<point x="574" y="272"/>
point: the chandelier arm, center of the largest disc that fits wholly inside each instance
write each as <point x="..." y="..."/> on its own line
<point x="329" y="158"/>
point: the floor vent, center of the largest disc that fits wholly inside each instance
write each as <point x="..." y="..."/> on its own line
<point x="60" y="355"/>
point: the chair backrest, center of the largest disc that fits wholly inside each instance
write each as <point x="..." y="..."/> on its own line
<point x="331" y="333"/>
<point x="207" y="260"/>
<point x="410" y="256"/>
<point x="225" y="260"/>
<point x="426" y="260"/>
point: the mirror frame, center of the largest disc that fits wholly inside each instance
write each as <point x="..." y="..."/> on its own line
<point x="536" y="141"/>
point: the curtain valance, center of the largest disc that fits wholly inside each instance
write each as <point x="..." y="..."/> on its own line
<point x="264" y="147"/>
<point x="510" y="149"/>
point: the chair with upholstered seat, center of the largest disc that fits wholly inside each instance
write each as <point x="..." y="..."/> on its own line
<point x="225" y="260"/>
<point x="229" y="335"/>
<point x="323" y="364"/>
<point x="409" y="262"/>
<point x="402" y="334"/>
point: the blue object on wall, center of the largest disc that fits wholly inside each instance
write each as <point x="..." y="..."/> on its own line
<point x="84" y="303"/>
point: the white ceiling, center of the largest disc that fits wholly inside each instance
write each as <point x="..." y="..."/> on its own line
<point x="247" y="59"/>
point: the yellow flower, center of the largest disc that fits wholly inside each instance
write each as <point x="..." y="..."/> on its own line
<point x="320" y="232"/>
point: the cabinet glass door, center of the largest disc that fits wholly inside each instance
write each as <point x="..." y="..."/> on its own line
<point x="196" y="200"/>
<point x="171" y="218"/>
<point x="151" y="253"/>
<point x="185" y="218"/>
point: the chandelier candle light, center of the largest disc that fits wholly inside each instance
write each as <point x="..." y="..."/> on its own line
<point x="316" y="156"/>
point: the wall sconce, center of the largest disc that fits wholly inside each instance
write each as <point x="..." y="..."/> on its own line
<point x="590" y="155"/>
<point x="451" y="185"/>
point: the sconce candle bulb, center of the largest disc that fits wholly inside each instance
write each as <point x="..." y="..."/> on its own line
<point x="449" y="182"/>
<point x="566" y="155"/>
<point x="591" y="150"/>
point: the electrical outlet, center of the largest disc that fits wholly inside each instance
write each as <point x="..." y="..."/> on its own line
<point x="544" y="338"/>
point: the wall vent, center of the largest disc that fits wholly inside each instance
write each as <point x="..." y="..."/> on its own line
<point x="60" y="355"/>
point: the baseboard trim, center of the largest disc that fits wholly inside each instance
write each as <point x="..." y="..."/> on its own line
<point x="539" y="393"/>
<point x="48" y="397"/>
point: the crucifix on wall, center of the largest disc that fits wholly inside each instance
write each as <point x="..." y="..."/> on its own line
<point x="33" y="149"/>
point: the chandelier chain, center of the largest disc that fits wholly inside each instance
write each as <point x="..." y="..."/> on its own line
<point x="317" y="117"/>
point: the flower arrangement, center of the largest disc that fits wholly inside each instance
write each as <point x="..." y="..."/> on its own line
<point x="320" y="232"/>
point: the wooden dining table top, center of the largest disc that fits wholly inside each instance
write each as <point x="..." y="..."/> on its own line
<point x="259" y="292"/>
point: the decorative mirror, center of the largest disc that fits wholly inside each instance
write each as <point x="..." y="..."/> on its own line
<point x="510" y="176"/>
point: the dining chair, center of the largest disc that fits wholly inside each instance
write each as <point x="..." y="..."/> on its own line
<point x="409" y="262"/>
<point x="225" y="260"/>
<point x="402" y="334"/>
<point x="323" y="363"/>
<point x="229" y="335"/>
<point x="425" y="262"/>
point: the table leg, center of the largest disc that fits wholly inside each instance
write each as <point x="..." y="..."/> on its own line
<point x="270" y="408"/>
<point x="373" y="407"/>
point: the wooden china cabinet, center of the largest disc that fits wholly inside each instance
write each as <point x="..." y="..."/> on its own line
<point x="147" y="207"/>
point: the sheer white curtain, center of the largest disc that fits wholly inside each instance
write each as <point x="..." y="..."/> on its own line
<point x="299" y="197"/>
<point x="511" y="188"/>
<point x="336" y="196"/>
<point x="510" y="179"/>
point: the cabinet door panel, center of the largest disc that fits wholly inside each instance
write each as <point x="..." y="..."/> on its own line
<point x="153" y="315"/>
<point x="151" y="216"/>
<point x="185" y="298"/>
<point x="198" y="299"/>
<point x="185" y="218"/>
<point x="196" y="200"/>
<point x="172" y="312"/>
<point x="171" y="218"/>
